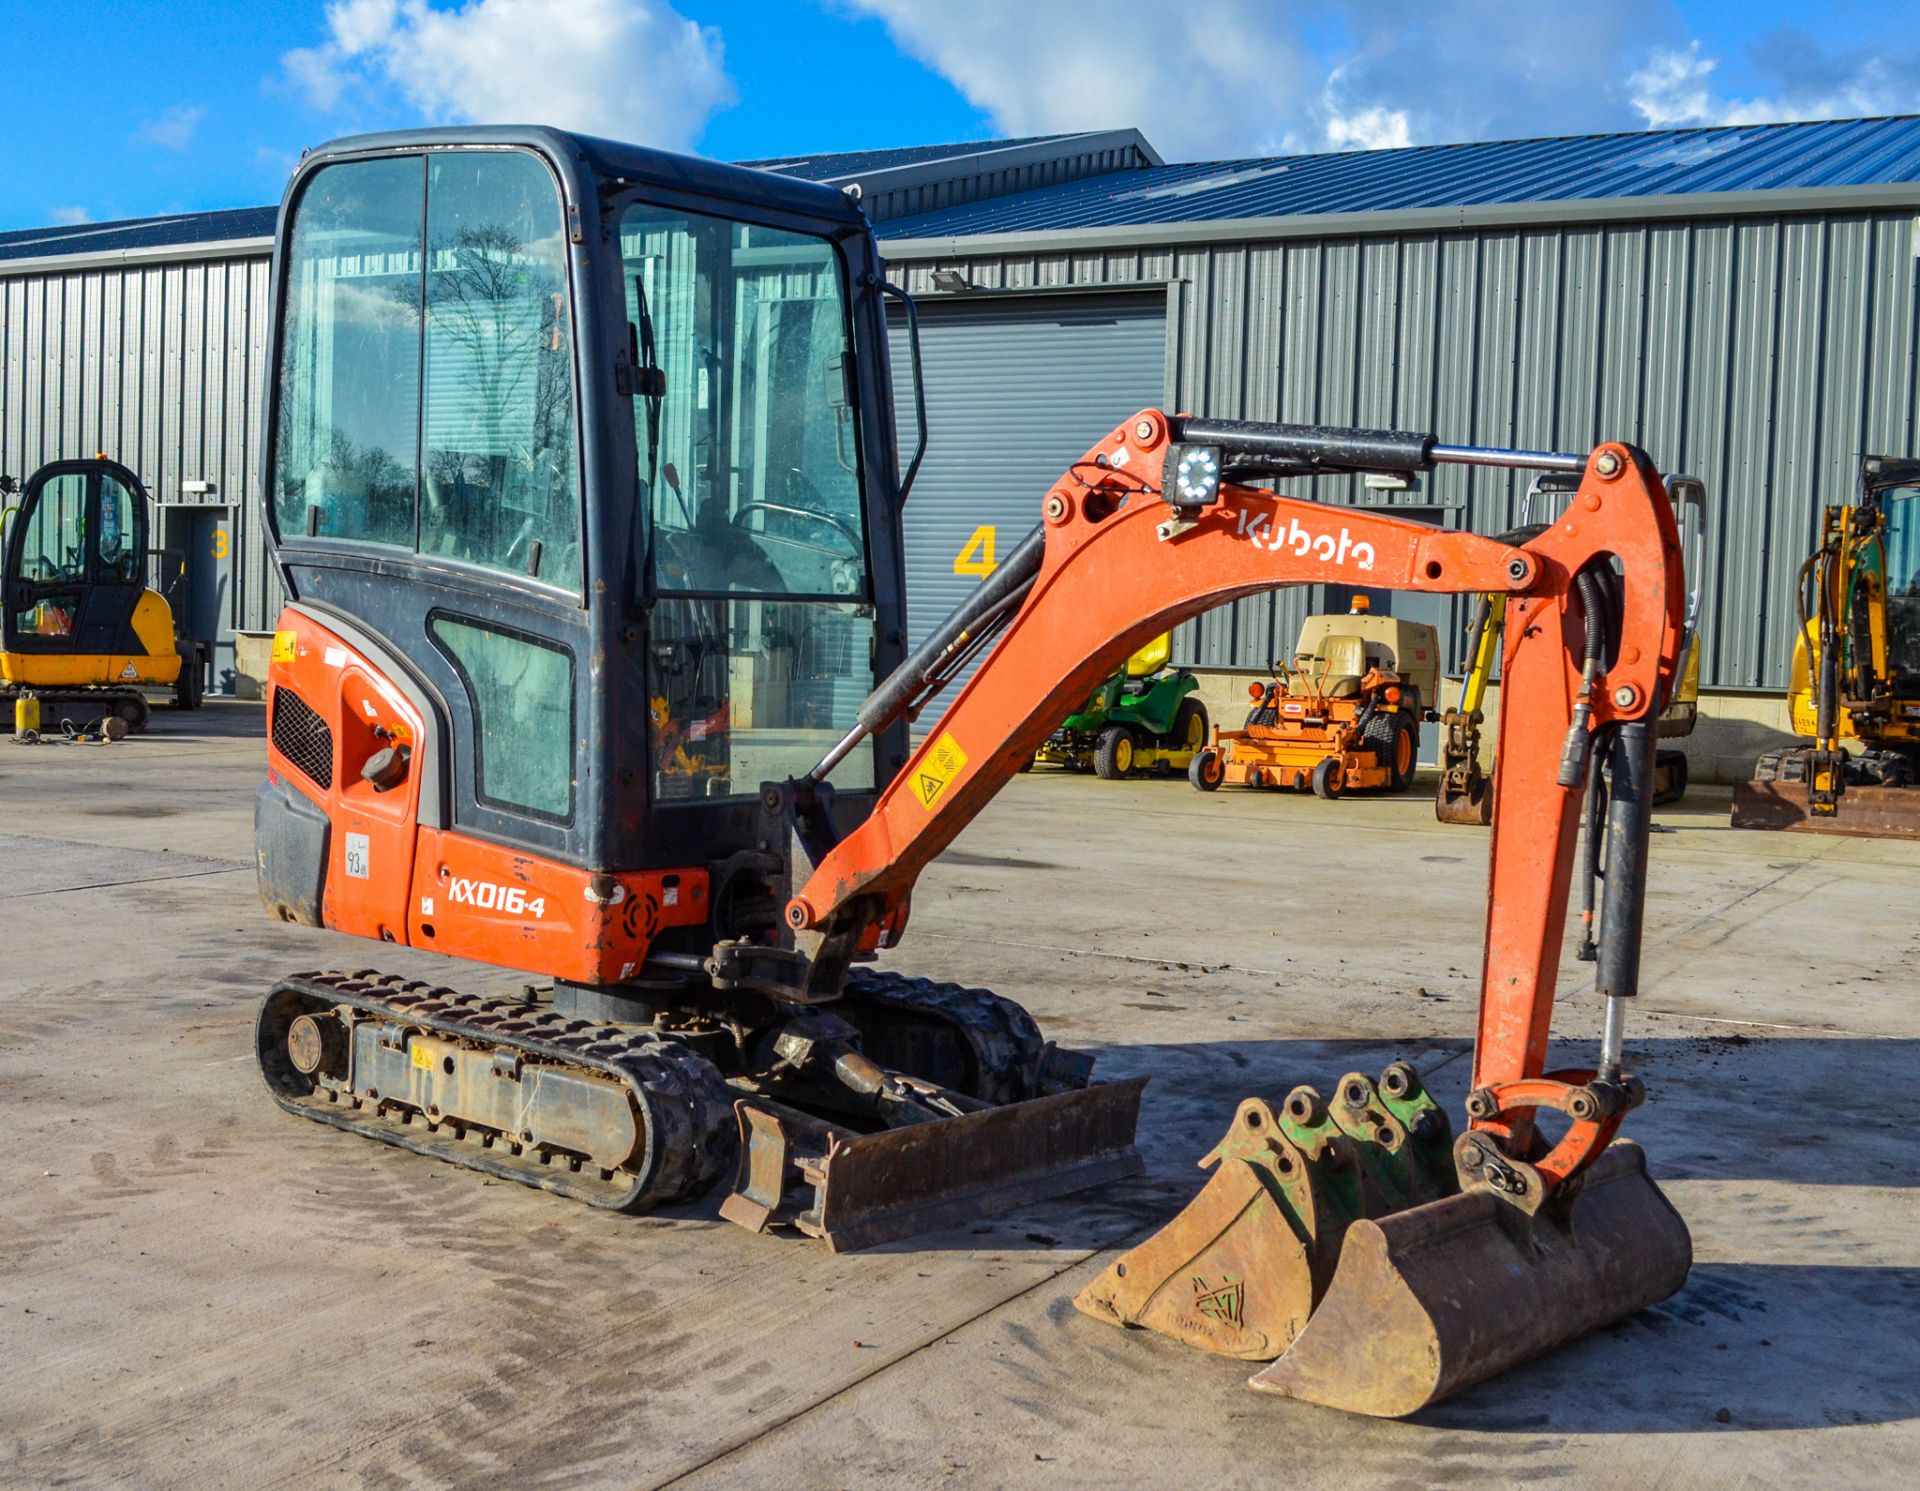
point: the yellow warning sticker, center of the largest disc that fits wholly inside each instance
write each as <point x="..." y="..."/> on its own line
<point x="422" y="1057"/>
<point x="283" y="647"/>
<point x="943" y="762"/>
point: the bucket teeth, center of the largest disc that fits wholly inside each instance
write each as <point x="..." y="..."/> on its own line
<point x="1239" y="1271"/>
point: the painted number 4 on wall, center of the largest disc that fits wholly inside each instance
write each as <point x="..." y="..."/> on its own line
<point x="976" y="555"/>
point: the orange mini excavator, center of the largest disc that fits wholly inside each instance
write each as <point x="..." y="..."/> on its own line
<point x="574" y="446"/>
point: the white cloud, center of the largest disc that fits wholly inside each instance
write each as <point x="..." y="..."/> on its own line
<point x="1218" y="79"/>
<point x="174" y="129"/>
<point x="1369" y="129"/>
<point x="68" y="217"/>
<point x="633" y="69"/>
<point x="1200" y="80"/>
<point x="1806" y="82"/>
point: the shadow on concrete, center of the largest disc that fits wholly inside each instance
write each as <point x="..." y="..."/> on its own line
<point x="1775" y="1345"/>
<point x="217" y="719"/>
<point x="1770" y="1346"/>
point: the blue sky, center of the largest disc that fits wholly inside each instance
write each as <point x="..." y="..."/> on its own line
<point x="129" y="110"/>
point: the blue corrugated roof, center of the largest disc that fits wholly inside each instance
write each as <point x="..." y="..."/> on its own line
<point x="257" y="222"/>
<point x="1846" y="152"/>
<point x="142" y="232"/>
<point x="832" y="166"/>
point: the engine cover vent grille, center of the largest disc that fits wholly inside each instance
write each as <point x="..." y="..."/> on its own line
<point x="303" y="737"/>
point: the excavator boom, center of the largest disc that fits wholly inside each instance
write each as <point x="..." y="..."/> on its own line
<point x="1157" y="524"/>
<point x="1117" y="564"/>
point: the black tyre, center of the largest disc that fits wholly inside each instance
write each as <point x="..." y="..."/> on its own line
<point x="1328" y="778"/>
<point x="1113" y="756"/>
<point x="1394" y="740"/>
<point x="189" y="688"/>
<point x="134" y="710"/>
<point x="1190" y="726"/>
<point x="1207" y="771"/>
<point x="1405" y="759"/>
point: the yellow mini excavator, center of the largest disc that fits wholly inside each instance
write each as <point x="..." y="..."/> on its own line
<point x="1856" y="673"/>
<point x="80" y="631"/>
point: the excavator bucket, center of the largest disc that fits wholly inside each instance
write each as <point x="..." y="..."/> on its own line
<point x="1334" y="1237"/>
<point x="1243" y="1267"/>
<point x="1469" y="805"/>
<point x="1432" y="1300"/>
<point x="862" y="1190"/>
<point x="1465" y="795"/>
<point x="1859" y="812"/>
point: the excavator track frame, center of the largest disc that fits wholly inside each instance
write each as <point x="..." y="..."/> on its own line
<point x="682" y="1106"/>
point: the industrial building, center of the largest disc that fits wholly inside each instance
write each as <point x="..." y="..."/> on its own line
<point x="1740" y="301"/>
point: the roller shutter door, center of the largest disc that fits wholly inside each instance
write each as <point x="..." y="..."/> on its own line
<point x="1016" y="390"/>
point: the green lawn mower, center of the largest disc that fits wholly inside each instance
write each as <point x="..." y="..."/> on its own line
<point x="1143" y="718"/>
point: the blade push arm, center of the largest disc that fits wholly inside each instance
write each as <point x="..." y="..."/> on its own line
<point x="1121" y="564"/>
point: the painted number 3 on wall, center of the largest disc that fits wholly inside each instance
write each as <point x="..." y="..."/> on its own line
<point x="220" y="543"/>
<point x="976" y="555"/>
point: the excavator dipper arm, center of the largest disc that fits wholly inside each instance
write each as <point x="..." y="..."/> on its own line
<point x="1120" y="563"/>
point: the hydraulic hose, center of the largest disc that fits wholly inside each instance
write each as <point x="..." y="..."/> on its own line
<point x="1598" y="615"/>
<point x="934" y="662"/>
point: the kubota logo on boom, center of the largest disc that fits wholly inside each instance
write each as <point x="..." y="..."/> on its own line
<point x="1342" y="548"/>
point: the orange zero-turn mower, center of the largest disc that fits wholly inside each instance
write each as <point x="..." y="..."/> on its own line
<point x="465" y="756"/>
<point x="1339" y="720"/>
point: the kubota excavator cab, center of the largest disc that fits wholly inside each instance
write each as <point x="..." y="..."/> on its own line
<point x="581" y="475"/>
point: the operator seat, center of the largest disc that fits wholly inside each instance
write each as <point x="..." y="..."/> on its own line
<point x="1338" y="664"/>
<point x="1151" y="658"/>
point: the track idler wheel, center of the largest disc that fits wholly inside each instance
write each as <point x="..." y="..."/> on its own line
<point x="1243" y="1267"/>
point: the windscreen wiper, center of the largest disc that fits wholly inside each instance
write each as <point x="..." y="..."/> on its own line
<point x="650" y="383"/>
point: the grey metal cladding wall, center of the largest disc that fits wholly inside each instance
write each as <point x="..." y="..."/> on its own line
<point x="1016" y="390"/>
<point x="157" y="365"/>
<point x="1762" y="354"/>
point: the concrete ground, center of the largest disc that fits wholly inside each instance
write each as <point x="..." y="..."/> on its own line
<point x="198" y="1290"/>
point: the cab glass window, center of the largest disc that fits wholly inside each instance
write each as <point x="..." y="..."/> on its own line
<point x="746" y="691"/>
<point x="53" y="553"/>
<point x="1902" y="550"/>
<point x="54" y="546"/>
<point x="347" y="437"/>
<point x="521" y="691"/>
<point x="499" y="475"/>
<point x="426" y="395"/>
<point x="749" y="449"/>
<point x="119" y="535"/>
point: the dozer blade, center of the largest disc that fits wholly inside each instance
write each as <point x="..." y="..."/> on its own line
<point x="1432" y="1300"/>
<point x="869" y="1189"/>
<point x="1240" y="1270"/>
<point x="1861" y="812"/>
